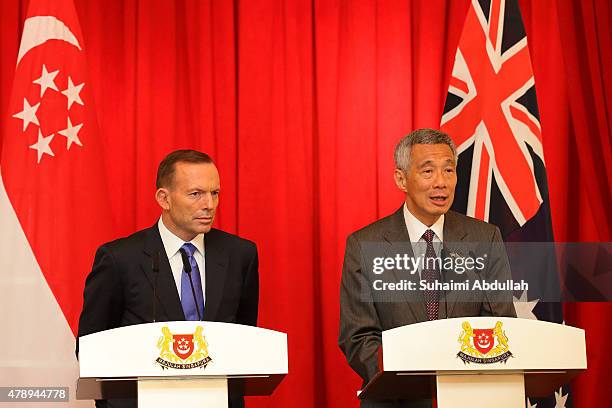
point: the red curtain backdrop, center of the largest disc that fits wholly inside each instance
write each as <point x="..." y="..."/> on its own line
<point x="301" y="103"/>
<point x="571" y="48"/>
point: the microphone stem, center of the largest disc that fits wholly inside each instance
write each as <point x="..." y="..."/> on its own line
<point x="155" y="275"/>
<point x="195" y="300"/>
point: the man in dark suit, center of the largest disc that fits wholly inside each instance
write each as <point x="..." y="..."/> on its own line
<point x="119" y="291"/>
<point x="423" y="227"/>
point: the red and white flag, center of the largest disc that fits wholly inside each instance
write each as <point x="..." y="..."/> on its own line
<point x="54" y="207"/>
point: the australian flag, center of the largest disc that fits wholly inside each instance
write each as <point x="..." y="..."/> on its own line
<point x="491" y="113"/>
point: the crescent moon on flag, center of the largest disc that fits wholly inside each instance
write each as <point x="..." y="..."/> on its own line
<point x="39" y="29"/>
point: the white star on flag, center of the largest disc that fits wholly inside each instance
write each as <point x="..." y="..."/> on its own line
<point x="42" y="145"/>
<point x="72" y="134"/>
<point x="72" y="93"/>
<point x="33" y="159"/>
<point x="28" y="114"/>
<point x="560" y="399"/>
<point x="46" y="80"/>
<point x="524" y="307"/>
<point x="531" y="406"/>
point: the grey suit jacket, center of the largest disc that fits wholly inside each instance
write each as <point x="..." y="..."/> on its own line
<point x="364" y="314"/>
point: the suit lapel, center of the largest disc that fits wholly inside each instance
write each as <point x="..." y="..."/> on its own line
<point x="399" y="240"/>
<point x="167" y="293"/>
<point x="453" y="233"/>
<point x="215" y="258"/>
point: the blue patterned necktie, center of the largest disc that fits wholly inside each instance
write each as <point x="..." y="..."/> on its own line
<point x="431" y="275"/>
<point x="187" y="300"/>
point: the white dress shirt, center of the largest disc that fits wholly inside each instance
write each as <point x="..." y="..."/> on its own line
<point x="416" y="229"/>
<point x="172" y="244"/>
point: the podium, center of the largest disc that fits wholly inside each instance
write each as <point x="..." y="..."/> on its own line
<point x="477" y="361"/>
<point x="181" y="363"/>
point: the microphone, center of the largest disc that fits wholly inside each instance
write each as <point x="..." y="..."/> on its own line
<point x="443" y="255"/>
<point x="187" y="267"/>
<point x="155" y="268"/>
<point x="473" y="256"/>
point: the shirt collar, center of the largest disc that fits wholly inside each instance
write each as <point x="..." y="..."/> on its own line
<point x="172" y="243"/>
<point x="416" y="228"/>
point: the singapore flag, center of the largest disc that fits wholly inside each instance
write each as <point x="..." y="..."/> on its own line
<point x="54" y="207"/>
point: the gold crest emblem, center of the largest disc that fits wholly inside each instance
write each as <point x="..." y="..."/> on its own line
<point x="483" y="346"/>
<point x="183" y="351"/>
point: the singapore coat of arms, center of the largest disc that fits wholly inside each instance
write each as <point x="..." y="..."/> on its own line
<point x="483" y="346"/>
<point x="183" y="351"/>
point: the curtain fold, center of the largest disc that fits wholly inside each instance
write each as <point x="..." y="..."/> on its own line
<point x="572" y="54"/>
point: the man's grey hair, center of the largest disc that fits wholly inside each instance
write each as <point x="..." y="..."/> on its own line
<point x="420" y="136"/>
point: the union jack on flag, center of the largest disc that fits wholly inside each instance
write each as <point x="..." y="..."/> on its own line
<point x="492" y="115"/>
<point x="491" y="110"/>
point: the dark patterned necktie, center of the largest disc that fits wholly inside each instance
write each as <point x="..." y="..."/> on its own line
<point x="430" y="274"/>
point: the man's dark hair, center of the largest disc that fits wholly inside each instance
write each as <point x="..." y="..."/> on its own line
<point x="165" y="171"/>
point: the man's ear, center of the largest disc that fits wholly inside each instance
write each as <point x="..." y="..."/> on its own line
<point x="162" y="197"/>
<point x="400" y="179"/>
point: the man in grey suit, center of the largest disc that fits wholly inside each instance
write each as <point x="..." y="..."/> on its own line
<point x="423" y="227"/>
